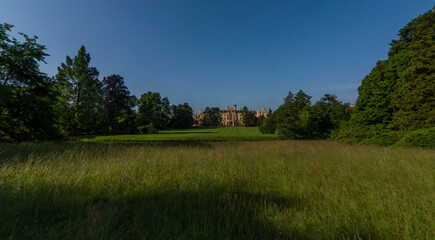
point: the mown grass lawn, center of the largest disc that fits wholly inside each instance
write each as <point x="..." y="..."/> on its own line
<point x="216" y="190"/>
<point x="192" y="134"/>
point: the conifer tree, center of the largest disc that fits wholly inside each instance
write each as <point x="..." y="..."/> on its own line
<point x="81" y="98"/>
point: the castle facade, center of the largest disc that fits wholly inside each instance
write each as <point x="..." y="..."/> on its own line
<point x="230" y="117"/>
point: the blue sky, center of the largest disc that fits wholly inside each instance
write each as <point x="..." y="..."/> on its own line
<point x="219" y="53"/>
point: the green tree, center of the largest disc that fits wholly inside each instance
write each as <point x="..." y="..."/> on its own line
<point x="329" y="114"/>
<point x="415" y="96"/>
<point x="212" y="117"/>
<point x="400" y="91"/>
<point x="249" y="118"/>
<point x="260" y="120"/>
<point x="182" y="116"/>
<point x="27" y="96"/>
<point x="81" y="99"/>
<point x="152" y="108"/>
<point x="289" y="124"/>
<point x="118" y="112"/>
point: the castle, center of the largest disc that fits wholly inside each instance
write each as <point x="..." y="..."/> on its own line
<point x="230" y="116"/>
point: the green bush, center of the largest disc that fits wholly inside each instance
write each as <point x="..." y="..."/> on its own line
<point x="419" y="138"/>
<point x="384" y="139"/>
<point x="355" y="134"/>
<point x="147" y="129"/>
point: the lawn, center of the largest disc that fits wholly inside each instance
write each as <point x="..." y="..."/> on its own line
<point x="216" y="190"/>
<point x="192" y="134"/>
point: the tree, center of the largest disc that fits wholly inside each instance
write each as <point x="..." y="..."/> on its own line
<point x="212" y="117"/>
<point x="154" y="109"/>
<point x="182" y="116"/>
<point x="27" y="96"/>
<point x="400" y="91"/>
<point x="260" y="120"/>
<point x="329" y="113"/>
<point x="289" y="124"/>
<point x="249" y="118"/>
<point x="81" y="98"/>
<point x="118" y="105"/>
<point x="415" y="96"/>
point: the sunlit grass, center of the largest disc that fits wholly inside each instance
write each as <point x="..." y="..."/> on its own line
<point x="216" y="190"/>
<point x="192" y="134"/>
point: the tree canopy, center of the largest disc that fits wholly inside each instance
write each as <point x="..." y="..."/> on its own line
<point x="153" y="109"/>
<point x="212" y="117"/>
<point x="27" y="98"/>
<point x="400" y="92"/>
<point x="81" y="96"/>
<point x="118" y="112"/>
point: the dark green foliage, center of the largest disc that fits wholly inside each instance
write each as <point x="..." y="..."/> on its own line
<point x="260" y="120"/>
<point x="148" y="129"/>
<point x="212" y="117"/>
<point x="81" y="99"/>
<point x="419" y="138"/>
<point x="249" y="118"/>
<point x="400" y="91"/>
<point x="310" y="128"/>
<point x="379" y="135"/>
<point x="118" y="113"/>
<point x="415" y="97"/>
<point x="288" y="116"/>
<point x="297" y="119"/>
<point x="329" y="113"/>
<point x="27" y="97"/>
<point x="182" y="116"/>
<point x="154" y="109"/>
<point x="269" y="125"/>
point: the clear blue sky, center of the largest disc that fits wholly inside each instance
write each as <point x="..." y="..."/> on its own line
<point x="218" y="53"/>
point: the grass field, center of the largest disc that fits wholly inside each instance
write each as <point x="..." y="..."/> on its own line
<point x="216" y="190"/>
<point x="193" y="134"/>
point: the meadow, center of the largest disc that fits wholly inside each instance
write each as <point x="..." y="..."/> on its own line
<point x="191" y="134"/>
<point x="216" y="190"/>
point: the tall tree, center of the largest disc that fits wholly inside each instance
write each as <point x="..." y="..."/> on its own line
<point x="415" y="96"/>
<point x="182" y="116"/>
<point x="329" y="113"/>
<point x="153" y="109"/>
<point x="249" y="118"/>
<point x="118" y="105"/>
<point x="212" y="117"/>
<point x="81" y="98"/>
<point x="286" y="121"/>
<point x="27" y="98"/>
<point x="400" y="91"/>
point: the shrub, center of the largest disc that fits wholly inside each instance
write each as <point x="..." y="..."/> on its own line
<point x="147" y="129"/>
<point x="419" y="138"/>
<point x="384" y="139"/>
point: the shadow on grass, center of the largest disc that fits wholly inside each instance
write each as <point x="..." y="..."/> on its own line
<point x="172" y="214"/>
<point x="206" y="214"/>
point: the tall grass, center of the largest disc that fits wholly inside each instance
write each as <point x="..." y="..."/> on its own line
<point x="224" y="190"/>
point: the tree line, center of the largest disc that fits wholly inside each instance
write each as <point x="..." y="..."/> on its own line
<point x="395" y="98"/>
<point x="296" y="118"/>
<point x="36" y="107"/>
<point x="397" y="95"/>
